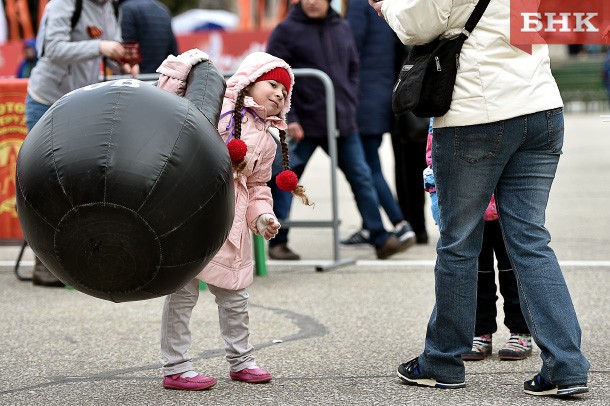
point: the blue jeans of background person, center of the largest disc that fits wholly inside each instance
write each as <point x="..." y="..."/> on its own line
<point x="518" y="158"/>
<point x="371" y="144"/>
<point x="34" y="111"/>
<point x="351" y="161"/>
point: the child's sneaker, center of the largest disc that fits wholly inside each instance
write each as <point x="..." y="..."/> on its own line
<point x="518" y="346"/>
<point x="189" y="380"/>
<point x="538" y="386"/>
<point x="481" y="348"/>
<point x="411" y="373"/>
<point x="251" y="375"/>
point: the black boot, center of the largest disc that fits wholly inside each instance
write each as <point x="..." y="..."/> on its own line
<point x="43" y="277"/>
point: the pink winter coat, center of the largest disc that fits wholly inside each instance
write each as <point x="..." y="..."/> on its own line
<point x="232" y="267"/>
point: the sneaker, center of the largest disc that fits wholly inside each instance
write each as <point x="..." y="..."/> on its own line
<point x="197" y="382"/>
<point x="537" y="386"/>
<point x="404" y="232"/>
<point x="393" y="246"/>
<point x="412" y="374"/>
<point x="360" y="239"/>
<point x="251" y="375"/>
<point x="282" y="252"/>
<point x="518" y="346"/>
<point x="481" y="348"/>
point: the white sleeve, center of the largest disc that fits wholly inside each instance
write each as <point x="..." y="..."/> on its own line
<point x="417" y="22"/>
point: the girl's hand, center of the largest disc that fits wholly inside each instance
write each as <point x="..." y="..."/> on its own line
<point x="267" y="225"/>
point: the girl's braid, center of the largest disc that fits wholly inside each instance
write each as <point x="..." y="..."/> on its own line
<point x="237" y="119"/>
<point x="299" y="190"/>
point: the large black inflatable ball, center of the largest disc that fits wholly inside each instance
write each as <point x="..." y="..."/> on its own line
<point x="125" y="191"/>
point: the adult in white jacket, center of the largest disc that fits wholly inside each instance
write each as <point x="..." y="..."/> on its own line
<point x="504" y="132"/>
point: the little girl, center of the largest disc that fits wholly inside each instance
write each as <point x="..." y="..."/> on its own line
<point x="255" y="105"/>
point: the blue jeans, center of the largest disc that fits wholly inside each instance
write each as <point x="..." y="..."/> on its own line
<point x="351" y="161"/>
<point x="518" y="159"/>
<point x="371" y="144"/>
<point x="34" y="111"/>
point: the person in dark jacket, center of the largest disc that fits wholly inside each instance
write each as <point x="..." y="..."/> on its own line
<point x="148" y="23"/>
<point x="375" y="44"/>
<point x="314" y="36"/>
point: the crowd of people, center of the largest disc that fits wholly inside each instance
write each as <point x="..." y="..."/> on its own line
<point x="488" y="164"/>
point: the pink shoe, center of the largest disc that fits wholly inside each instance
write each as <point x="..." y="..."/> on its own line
<point x="199" y="382"/>
<point x="251" y="375"/>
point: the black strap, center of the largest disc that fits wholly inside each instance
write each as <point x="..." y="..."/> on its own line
<point x="78" y="8"/>
<point x="476" y="15"/>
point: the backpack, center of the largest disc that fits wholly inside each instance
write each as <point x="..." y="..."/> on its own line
<point x="78" y="8"/>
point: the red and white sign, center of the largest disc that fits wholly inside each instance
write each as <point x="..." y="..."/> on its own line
<point x="559" y="22"/>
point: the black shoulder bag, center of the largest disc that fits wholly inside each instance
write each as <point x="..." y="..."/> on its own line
<point x="426" y="80"/>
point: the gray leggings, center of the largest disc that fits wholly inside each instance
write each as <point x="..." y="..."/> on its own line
<point x="176" y="335"/>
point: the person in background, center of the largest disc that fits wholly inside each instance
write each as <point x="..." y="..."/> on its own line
<point x="149" y="24"/>
<point x="70" y="59"/>
<point x="314" y="36"/>
<point x="30" y="58"/>
<point x="375" y="44"/>
<point x="503" y="136"/>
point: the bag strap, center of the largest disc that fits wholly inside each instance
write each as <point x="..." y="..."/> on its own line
<point x="476" y="15"/>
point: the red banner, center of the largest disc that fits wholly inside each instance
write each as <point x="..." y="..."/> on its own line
<point x="559" y="22"/>
<point x="12" y="133"/>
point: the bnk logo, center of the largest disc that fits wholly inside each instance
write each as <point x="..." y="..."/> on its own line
<point x="559" y="22"/>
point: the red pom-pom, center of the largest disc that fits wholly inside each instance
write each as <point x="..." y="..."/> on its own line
<point x="287" y="180"/>
<point x="237" y="150"/>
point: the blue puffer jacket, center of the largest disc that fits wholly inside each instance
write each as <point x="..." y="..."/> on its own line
<point x="328" y="45"/>
<point x="149" y="23"/>
<point x="376" y="44"/>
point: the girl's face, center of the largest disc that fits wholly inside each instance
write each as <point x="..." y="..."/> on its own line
<point x="269" y="94"/>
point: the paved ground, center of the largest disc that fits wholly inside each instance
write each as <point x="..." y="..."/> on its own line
<point x="331" y="338"/>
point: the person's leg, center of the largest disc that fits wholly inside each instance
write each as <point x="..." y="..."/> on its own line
<point x="486" y="287"/>
<point x="415" y="155"/>
<point x="513" y="316"/>
<point x="352" y="163"/>
<point x="175" y="330"/>
<point x="234" y="329"/>
<point x="371" y="144"/>
<point x="34" y="111"/>
<point x="485" y="324"/>
<point x="522" y="197"/>
<point x="467" y="164"/>
<point x="234" y="320"/>
<point x="40" y="275"/>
